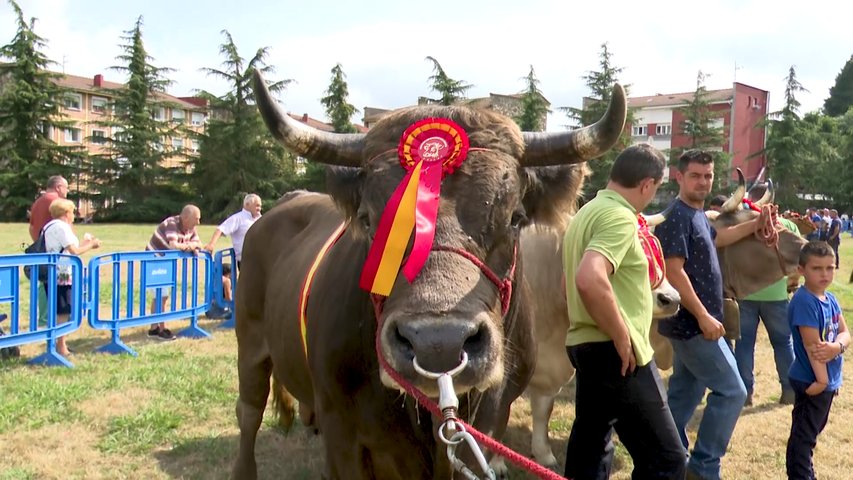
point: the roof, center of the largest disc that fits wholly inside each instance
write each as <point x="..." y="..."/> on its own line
<point x="672" y="99"/>
<point x="314" y="123"/>
<point x="87" y="84"/>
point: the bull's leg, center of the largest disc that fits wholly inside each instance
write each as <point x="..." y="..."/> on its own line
<point x="254" y="376"/>
<point x="541" y="407"/>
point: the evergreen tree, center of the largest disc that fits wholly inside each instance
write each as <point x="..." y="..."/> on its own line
<point x="534" y="107"/>
<point x="841" y="94"/>
<point x="700" y="128"/>
<point x="451" y="91"/>
<point x="600" y="84"/>
<point x="338" y="109"/>
<point x="31" y="103"/>
<point x="237" y="153"/>
<point x="132" y="178"/>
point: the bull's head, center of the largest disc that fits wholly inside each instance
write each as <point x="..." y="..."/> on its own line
<point x="451" y="306"/>
<point x="749" y="265"/>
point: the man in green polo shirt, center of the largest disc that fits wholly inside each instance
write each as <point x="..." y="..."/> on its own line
<point x="770" y="306"/>
<point x="610" y="308"/>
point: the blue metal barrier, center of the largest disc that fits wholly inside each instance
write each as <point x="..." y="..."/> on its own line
<point x="172" y="271"/>
<point x="218" y="294"/>
<point x="11" y="280"/>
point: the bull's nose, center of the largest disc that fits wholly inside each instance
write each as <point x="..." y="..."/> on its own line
<point x="665" y="299"/>
<point x="438" y="343"/>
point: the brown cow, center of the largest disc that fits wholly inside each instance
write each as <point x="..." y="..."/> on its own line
<point x="370" y="429"/>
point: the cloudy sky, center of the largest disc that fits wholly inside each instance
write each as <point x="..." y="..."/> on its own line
<point x="491" y="44"/>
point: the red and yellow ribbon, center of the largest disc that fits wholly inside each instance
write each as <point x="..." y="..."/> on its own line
<point x="428" y="150"/>
<point x="653" y="251"/>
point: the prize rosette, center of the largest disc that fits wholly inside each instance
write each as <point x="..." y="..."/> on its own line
<point x="429" y="150"/>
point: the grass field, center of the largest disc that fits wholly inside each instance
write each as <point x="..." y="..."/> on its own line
<point x="169" y="413"/>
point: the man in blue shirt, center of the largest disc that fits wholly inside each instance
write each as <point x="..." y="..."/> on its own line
<point x="702" y="359"/>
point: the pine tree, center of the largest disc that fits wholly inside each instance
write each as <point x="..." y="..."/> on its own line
<point x="600" y="84"/>
<point x="31" y="103"/>
<point x="237" y="154"/>
<point x="451" y="91"/>
<point x="699" y="126"/>
<point x="338" y="110"/>
<point x="841" y="94"/>
<point x="132" y="179"/>
<point x="534" y="107"/>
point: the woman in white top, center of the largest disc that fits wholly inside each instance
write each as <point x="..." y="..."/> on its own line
<point x="60" y="238"/>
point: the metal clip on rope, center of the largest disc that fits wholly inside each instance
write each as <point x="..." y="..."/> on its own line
<point x="448" y="403"/>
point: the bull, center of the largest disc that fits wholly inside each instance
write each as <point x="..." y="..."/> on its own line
<point x="369" y="428"/>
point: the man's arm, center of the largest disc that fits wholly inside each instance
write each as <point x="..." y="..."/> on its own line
<point x="216" y="234"/>
<point x="712" y="329"/>
<point x="811" y="340"/>
<point x="834" y="230"/>
<point x="593" y="284"/>
<point x="729" y="235"/>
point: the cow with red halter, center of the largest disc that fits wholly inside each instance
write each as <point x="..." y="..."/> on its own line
<point x="412" y="262"/>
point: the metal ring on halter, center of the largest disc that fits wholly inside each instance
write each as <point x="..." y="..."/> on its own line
<point x="451" y="441"/>
<point x="453" y="372"/>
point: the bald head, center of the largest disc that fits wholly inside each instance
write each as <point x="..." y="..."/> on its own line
<point x="190" y="216"/>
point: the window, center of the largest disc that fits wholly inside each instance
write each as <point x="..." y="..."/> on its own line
<point x="99" y="104"/>
<point x="177" y="143"/>
<point x="195" y="145"/>
<point x="99" y="137"/>
<point x="178" y="115"/>
<point x="73" y="101"/>
<point x="46" y="130"/>
<point x="197" y="119"/>
<point x="663" y="129"/>
<point x="73" y="135"/>
<point x="639" y="130"/>
<point x="158" y="113"/>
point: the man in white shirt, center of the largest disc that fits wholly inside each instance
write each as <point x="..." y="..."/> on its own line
<point x="237" y="225"/>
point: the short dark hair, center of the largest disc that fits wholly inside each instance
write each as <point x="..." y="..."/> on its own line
<point x="226" y="269"/>
<point x="815" y="248"/>
<point x="694" y="156"/>
<point x="636" y="163"/>
<point x="718" y="201"/>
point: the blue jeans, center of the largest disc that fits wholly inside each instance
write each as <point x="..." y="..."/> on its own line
<point x="775" y="318"/>
<point x="699" y="364"/>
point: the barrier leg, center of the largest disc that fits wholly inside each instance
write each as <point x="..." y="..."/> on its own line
<point x="194" y="331"/>
<point x="116" y="346"/>
<point x="51" y="357"/>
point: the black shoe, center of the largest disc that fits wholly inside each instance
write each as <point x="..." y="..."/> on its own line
<point x="748" y="402"/>
<point x="166" y="334"/>
<point x="154" y="332"/>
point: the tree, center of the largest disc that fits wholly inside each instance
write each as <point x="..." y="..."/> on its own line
<point x="31" y="103"/>
<point x="699" y="126"/>
<point x="600" y="84"/>
<point x="237" y="154"/>
<point x="534" y="107"/>
<point x="450" y="90"/>
<point x="841" y="94"/>
<point x="338" y="110"/>
<point x="132" y="179"/>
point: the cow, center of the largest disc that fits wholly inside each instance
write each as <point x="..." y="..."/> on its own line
<point x="370" y="428"/>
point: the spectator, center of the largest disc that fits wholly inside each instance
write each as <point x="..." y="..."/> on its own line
<point x="174" y="233"/>
<point x="813" y="215"/>
<point x="833" y="235"/>
<point x="59" y="237"/>
<point x="717" y="202"/>
<point x="701" y="357"/>
<point x="770" y="306"/>
<point x="607" y="287"/>
<point x="820" y="339"/>
<point x="56" y="188"/>
<point x="237" y="225"/>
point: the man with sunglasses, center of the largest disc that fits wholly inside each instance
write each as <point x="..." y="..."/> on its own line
<point x="610" y="306"/>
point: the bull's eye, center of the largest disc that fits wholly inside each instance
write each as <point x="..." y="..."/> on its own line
<point x="364" y="220"/>
<point x="519" y="218"/>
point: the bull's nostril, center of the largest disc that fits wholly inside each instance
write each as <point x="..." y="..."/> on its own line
<point x="476" y="343"/>
<point x="404" y="344"/>
<point x="664" y="300"/>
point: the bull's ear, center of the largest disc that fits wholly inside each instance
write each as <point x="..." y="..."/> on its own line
<point x="551" y="193"/>
<point x="344" y="186"/>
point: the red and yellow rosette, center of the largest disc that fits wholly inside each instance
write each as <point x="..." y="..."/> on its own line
<point x="428" y="150"/>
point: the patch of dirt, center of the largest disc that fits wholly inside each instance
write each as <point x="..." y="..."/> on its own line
<point x="100" y="408"/>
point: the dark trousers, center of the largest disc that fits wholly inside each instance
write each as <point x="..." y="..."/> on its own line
<point x="835" y="250"/>
<point x="808" y="419"/>
<point x="634" y="405"/>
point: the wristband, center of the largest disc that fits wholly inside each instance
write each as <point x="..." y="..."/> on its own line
<point x="843" y="348"/>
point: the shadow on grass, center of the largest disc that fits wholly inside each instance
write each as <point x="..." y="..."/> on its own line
<point x="297" y="455"/>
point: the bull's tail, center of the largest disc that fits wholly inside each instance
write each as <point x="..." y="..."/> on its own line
<point x="284" y="405"/>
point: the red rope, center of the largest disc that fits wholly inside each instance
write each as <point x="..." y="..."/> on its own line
<point x="426" y="402"/>
<point x="768" y="220"/>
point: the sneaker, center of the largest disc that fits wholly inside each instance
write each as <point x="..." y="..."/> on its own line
<point x="166" y="334"/>
<point x="154" y="331"/>
<point x="748" y="401"/>
<point x="787" y="397"/>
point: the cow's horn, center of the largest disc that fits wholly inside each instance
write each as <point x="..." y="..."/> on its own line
<point x="768" y="195"/>
<point x="344" y="149"/>
<point x="658" y="218"/>
<point x="560" y="148"/>
<point x="734" y="202"/>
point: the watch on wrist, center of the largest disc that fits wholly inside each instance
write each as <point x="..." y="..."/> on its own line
<point x="843" y="347"/>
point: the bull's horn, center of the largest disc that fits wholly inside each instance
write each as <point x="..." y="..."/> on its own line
<point x="343" y="149"/>
<point x="561" y="148"/>
<point x="658" y="218"/>
<point x="711" y="215"/>
<point x="768" y="195"/>
<point x="734" y="202"/>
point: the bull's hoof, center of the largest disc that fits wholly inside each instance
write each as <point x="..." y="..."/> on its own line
<point x="548" y="461"/>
